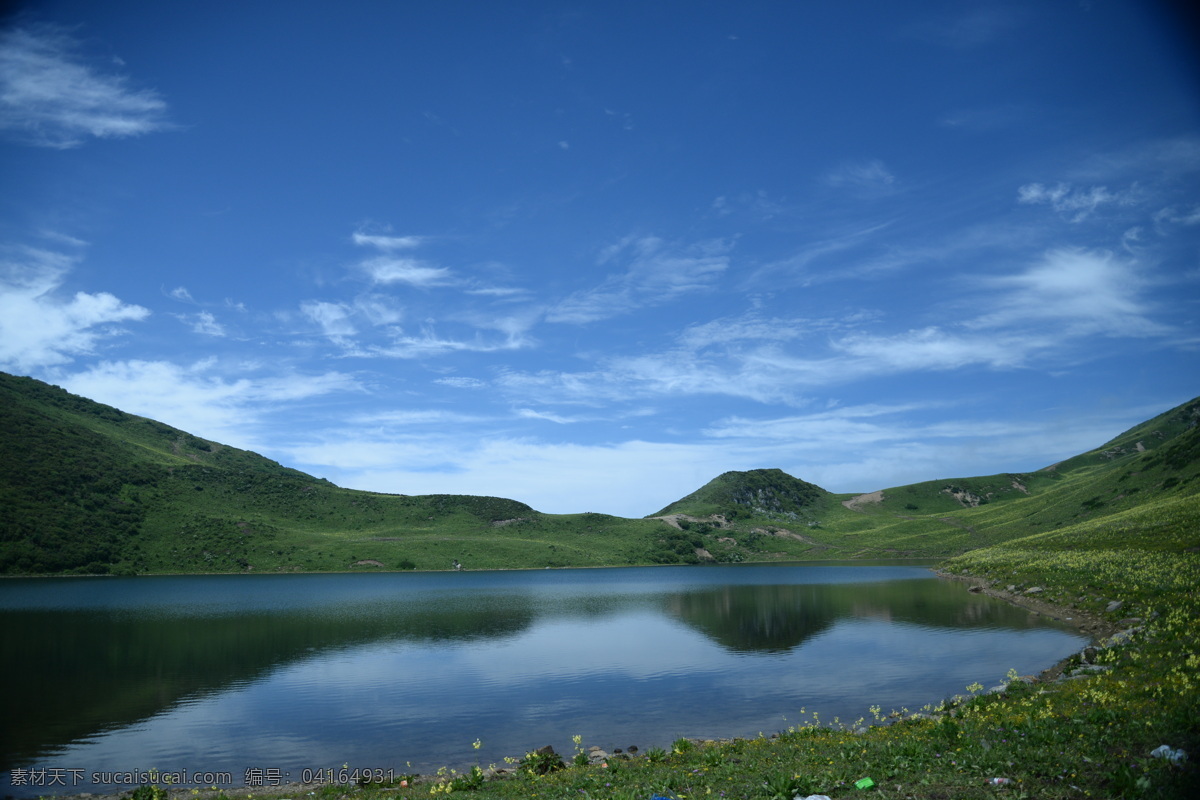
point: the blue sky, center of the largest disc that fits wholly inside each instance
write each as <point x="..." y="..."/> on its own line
<point x="589" y="255"/>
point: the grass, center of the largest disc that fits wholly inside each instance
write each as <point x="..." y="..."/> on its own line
<point x="1087" y="736"/>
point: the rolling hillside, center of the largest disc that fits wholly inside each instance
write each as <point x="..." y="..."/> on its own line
<point x="86" y="488"/>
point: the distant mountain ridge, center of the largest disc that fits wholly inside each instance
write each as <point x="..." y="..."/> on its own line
<point x="87" y="488"/>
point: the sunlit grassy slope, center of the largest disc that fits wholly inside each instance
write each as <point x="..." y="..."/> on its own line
<point x="88" y="488"/>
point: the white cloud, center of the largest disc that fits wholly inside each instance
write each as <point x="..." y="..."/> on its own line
<point x="1177" y="216"/>
<point x="40" y="328"/>
<point x="849" y="425"/>
<point x="205" y="323"/>
<point x="459" y="382"/>
<point x="334" y="319"/>
<point x="655" y="273"/>
<point x="849" y="449"/>
<point x="498" y="291"/>
<point x="201" y="398"/>
<point x="49" y="99"/>
<point x="1051" y="309"/>
<point x="762" y="375"/>
<point x="631" y="478"/>
<point x="387" y="243"/>
<point x="749" y="327"/>
<point x="894" y="445"/>
<point x="429" y="343"/>
<point x="389" y="269"/>
<point x="930" y="348"/>
<point x="379" y="309"/>
<point x="529" y="413"/>
<point x="417" y="417"/>
<point x="1076" y="204"/>
<point x="1085" y="291"/>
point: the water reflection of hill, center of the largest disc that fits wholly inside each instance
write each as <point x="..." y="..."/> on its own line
<point x="136" y="666"/>
<point x="83" y="671"/>
<point x="775" y="619"/>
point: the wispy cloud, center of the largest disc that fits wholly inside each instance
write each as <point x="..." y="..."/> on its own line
<point x="205" y="323"/>
<point x="390" y="268"/>
<point x="655" y="272"/>
<point x="38" y="326"/>
<point x="333" y="319"/>
<point x="387" y="242"/>
<point x="898" y="444"/>
<point x="928" y="349"/>
<point x="410" y="417"/>
<point x="1082" y="291"/>
<point x="853" y="253"/>
<point x="207" y="397"/>
<point x="1049" y="311"/>
<point x="49" y="98"/>
<point x="559" y="419"/>
<point x="743" y="328"/>
<point x="869" y="178"/>
<point x="461" y="382"/>
<point x="1076" y="204"/>
<point x="429" y="343"/>
<point x="890" y="444"/>
<point x="1186" y="216"/>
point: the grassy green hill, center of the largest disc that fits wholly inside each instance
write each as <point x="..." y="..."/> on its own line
<point x="756" y="494"/>
<point x="87" y="488"/>
<point x="1152" y="463"/>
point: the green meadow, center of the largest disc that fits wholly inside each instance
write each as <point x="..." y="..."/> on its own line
<point x="1113" y="533"/>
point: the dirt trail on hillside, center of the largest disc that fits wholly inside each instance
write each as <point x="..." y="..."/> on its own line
<point x="856" y="503"/>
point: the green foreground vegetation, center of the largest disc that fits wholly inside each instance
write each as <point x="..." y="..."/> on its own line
<point x="90" y="489"/>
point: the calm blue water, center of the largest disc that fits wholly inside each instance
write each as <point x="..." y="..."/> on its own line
<point x="291" y="673"/>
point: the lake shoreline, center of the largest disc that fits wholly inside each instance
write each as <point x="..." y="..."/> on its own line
<point x="367" y="570"/>
<point x="1089" y="624"/>
<point x="1086" y="622"/>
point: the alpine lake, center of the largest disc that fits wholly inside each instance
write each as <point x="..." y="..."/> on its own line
<point x="233" y="679"/>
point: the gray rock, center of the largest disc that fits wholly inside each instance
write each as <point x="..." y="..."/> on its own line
<point x="1034" y="590"/>
<point x="1113" y="606"/>
<point x="1087" y="670"/>
<point x="1121" y="637"/>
